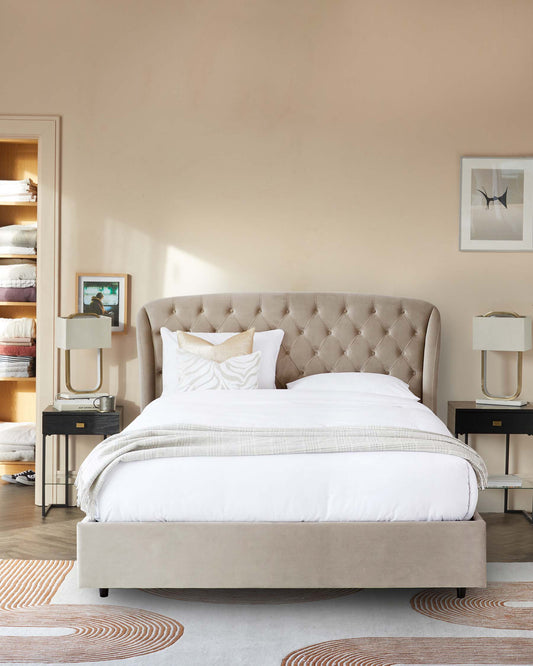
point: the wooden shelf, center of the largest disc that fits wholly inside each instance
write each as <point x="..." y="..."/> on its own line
<point x="17" y="379"/>
<point x="18" y="203"/>
<point x="28" y="304"/>
<point x="18" y="256"/>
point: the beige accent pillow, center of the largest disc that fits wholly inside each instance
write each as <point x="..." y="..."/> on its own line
<point x="238" y="345"/>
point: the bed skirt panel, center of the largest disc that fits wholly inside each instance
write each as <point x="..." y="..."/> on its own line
<point x="282" y="555"/>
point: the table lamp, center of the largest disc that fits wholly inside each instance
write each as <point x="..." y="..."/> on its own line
<point x="83" y="331"/>
<point x="501" y="331"/>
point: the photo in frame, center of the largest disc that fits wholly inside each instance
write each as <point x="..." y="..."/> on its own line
<point x="104" y="294"/>
<point x="496" y="204"/>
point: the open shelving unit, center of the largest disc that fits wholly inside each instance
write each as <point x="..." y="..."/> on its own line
<point x="18" y="160"/>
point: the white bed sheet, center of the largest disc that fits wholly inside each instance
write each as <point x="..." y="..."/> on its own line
<point x="378" y="486"/>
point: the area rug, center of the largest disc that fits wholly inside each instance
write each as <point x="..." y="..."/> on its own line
<point x="46" y="619"/>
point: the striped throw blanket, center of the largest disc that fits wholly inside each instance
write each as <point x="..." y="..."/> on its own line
<point x="197" y="440"/>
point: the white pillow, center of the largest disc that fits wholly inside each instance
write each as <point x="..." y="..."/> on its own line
<point x="267" y="342"/>
<point x="200" y="374"/>
<point x="362" y="382"/>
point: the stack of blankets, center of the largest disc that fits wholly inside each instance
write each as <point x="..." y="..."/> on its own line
<point x="18" y="191"/>
<point x="17" y="280"/>
<point x="19" y="238"/>
<point x="17" y="441"/>
<point x="17" y="347"/>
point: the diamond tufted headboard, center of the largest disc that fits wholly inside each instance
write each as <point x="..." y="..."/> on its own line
<point x="323" y="333"/>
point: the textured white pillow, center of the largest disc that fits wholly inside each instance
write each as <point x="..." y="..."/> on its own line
<point x="200" y="374"/>
<point x="267" y="342"/>
<point x="362" y="382"/>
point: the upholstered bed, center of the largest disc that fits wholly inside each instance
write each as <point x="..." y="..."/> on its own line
<point x="323" y="333"/>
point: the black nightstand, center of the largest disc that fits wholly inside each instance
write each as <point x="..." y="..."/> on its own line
<point x="466" y="418"/>
<point x="73" y="423"/>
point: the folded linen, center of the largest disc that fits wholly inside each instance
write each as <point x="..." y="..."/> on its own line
<point x="19" y="342"/>
<point x="22" y="432"/>
<point x="16" y="249"/>
<point x="17" y="350"/>
<point x="11" y="448"/>
<point x="11" y="456"/>
<point x="22" y="270"/>
<point x="18" y="294"/>
<point x="17" y="186"/>
<point x="17" y="373"/>
<point x="22" y="327"/>
<point x="19" y="235"/>
<point x="17" y="284"/>
<point x="18" y="198"/>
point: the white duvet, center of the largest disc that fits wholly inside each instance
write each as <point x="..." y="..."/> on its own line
<point x="381" y="486"/>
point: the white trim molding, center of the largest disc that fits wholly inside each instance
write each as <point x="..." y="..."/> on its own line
<point x="47" y="130"/>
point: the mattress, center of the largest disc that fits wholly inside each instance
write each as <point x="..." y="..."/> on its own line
<point x="377" y="486"/>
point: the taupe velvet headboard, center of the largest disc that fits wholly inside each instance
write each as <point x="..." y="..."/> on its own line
<point x="323" y="333"/>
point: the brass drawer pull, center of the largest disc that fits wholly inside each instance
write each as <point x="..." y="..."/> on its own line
<point x="496" y="423"/>
<point x="82" y="425"/>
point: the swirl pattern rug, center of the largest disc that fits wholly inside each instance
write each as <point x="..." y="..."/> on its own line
<point x="46" y="619"/>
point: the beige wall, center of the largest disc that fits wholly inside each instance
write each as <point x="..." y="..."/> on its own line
<point x="280" y="145"/>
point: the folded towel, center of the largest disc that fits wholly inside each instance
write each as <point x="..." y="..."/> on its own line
<point x="17" y="284"/>
<point x="17" y="186"/>
<point x="14" y="374"/>
<point x="23" y="270"/>
<point x="11" y="456"/>
<point x="18" y="198"/>
<point x="11" y="448"/>
<point x="19" y="235"/>
<point x="17" y="433"/>
<point x="20" y="342"/>
<point x="17" y="350"/>
<point x="23" y="327"/>
<point x="17" y="249"/>
<point x="18" y="294"/>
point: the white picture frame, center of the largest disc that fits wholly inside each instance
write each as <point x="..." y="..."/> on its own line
<point x="112" y="290"/>
<point x="496" y="204"/>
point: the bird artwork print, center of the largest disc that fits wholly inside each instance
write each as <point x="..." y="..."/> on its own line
<point x="488" y="200"/>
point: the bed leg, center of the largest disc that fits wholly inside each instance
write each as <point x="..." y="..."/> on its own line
<point x="104" y="591"/>
<point x="461" y="592"/>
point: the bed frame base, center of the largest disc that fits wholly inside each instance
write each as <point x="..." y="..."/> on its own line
<point x="282" y="555"/>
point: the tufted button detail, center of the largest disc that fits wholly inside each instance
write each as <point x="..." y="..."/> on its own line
<point x="231" y="311"/>
<point x="259" y="311"/>
<point x="372" y="353"/>
<point x="345" y="311"/>
<point x="330" y="332"/>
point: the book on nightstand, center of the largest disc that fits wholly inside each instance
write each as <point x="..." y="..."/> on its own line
<point x="76" y="402"/>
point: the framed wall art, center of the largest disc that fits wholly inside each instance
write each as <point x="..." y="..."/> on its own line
<point x="496" y="204"/>
<point x="104" y="294"/>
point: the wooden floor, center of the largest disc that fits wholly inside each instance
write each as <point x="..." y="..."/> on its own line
<point x="24" y="534"/>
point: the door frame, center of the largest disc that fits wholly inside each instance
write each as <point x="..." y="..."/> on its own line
<point x="47" y="130"/>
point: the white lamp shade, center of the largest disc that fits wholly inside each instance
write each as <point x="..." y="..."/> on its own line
<point x="83" y="332"/>
<point x="502" y="333"/>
